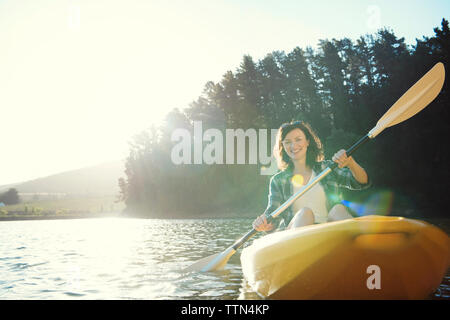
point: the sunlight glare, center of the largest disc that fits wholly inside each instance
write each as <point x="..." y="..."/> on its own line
<point x="297" y="180"/>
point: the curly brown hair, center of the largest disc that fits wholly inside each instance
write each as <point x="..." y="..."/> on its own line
<point x="315" y="149"/>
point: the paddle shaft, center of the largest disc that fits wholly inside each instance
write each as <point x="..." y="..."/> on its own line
<point x="301" y="192"/>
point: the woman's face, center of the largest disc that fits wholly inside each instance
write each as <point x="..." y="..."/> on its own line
<point x="295" y="144"/>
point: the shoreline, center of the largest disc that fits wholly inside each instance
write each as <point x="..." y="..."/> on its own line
<point x="61" y="217"/>
<point x="215" y="216"/>
<point x="21" y="216"/>
<point x="124" y="215"/>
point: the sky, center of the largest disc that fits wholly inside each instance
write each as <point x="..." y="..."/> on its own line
<point x="79" y="78"/>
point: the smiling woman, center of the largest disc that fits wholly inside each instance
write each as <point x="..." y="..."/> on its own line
<point x="299" y="155"/>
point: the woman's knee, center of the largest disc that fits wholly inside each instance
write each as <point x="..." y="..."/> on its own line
<point x="306" y="213"/>
<point x="339" y="212"/>
<point x="303" y="217"/>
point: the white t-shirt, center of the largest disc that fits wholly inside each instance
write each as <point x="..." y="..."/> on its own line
<point x="315" y="199"/>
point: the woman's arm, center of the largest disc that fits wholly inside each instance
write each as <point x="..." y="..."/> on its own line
<point x="274" y="201"/>
<point x="357" y="171"/>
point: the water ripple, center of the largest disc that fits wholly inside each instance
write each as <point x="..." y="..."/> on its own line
<point x="123" y="259"/>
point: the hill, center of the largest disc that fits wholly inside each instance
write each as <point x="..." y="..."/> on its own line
<point x="90" y="181"/>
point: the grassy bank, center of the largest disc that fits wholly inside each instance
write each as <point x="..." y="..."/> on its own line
<point x="65" y="208"/>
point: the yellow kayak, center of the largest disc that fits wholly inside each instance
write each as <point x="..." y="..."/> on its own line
<point x="372" y="257"/>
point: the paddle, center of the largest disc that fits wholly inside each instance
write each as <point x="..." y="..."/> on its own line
<point x="411" y="102"/>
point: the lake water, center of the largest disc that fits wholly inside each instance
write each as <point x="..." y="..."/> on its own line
<point x="119" y="258"/>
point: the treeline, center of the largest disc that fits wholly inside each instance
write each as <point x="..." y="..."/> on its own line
<point x="341" y="88"/>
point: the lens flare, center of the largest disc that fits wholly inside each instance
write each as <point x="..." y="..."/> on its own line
<point x="335" y="198"/>
<point x="379" y="203"/>
<point x="297" y="180"/>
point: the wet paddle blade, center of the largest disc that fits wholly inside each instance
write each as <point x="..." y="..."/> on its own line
<point x="215" y="262"/>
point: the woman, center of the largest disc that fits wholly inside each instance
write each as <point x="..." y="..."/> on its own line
<point x="299" y="155"/>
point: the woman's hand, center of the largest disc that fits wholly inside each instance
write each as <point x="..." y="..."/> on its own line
<point x="260" y="224"/>
<point x="341" y="159"/>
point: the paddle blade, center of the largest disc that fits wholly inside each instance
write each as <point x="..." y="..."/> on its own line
<point x="414" y="100"/>
<point x="215" y="262"/>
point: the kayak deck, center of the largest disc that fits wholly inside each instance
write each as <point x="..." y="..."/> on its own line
<point x="371" y="257"/>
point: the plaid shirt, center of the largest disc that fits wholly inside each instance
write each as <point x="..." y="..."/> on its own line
<point x="281" y="189"/>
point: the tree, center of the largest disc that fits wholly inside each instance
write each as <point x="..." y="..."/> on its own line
<point x="272" y="84"/>
<point x="248" y="92"/>
<point x="302" y="92"/>
<point x="335" y="85"/>
<point x="10" y="197"/>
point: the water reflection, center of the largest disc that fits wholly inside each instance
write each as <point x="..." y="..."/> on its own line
<point x="122" y="259"/>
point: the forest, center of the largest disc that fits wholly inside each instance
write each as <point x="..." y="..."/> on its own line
<point x="341" y="88"/>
